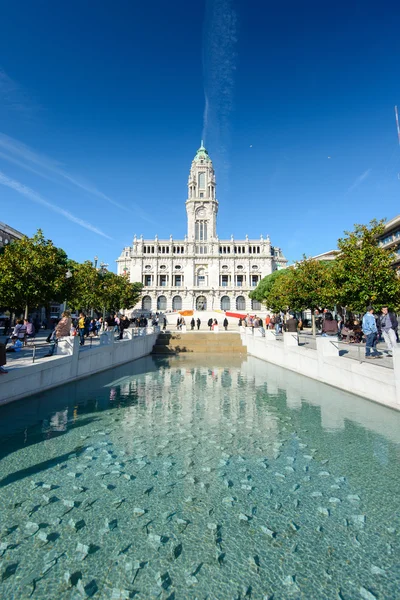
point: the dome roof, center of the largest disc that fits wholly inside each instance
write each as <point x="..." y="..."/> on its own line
<point x="202" y="154"/>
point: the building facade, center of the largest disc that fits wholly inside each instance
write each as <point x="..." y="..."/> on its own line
<point x="390" y="239"/>
<point x="8" y="235"/>
<point x="200" y="271"/>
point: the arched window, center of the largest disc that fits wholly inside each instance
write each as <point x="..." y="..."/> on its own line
<point x="176" y="303"/>
<point x="240" y="303"/>
<point x="225" y="303"/>
<point x="202" y="181"/>
<point x="161" y="303"/>
<point x="146" y="303"/>
<point x="255" y="305"/>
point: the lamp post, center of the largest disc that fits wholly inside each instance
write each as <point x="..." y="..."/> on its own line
<point x="96" y="258"/>
<point x="103" y="270"/>
<point x="68" y="275"/>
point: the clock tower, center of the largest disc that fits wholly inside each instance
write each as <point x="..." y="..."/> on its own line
<point x="201" y="205"/>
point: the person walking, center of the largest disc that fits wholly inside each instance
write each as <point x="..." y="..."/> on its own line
<point x="277" y="323"/>
<point x="192" y="324"/>
<point x="198" y="323"/>
<point x="388" y="324"/>
<point x="225" y="324"/>
<point x="123" y="324"/>
<point x="210" y="323"/>
<point x="370" y="331"/>
<point x="81" y="328"/>
<point x="164" y="323"/>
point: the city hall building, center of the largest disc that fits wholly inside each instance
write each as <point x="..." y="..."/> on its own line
<point x="200" y="271"/>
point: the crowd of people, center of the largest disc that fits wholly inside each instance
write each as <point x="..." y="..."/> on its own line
<point x="83" y="326"/>
<point x="371" y="329"/>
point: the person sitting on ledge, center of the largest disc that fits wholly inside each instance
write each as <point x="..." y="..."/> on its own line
<point x="329" y="326"/>
<point x="291" y="324"/>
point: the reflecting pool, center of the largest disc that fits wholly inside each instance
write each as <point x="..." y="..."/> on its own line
<point x="199" y="477"/>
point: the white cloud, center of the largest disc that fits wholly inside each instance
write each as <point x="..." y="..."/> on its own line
<point x="358" y="181"/>
<point x="32" y="195"/>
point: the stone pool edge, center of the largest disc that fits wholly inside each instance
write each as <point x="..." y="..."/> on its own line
<point x="370" y="381"/>
<point x="73" y="365"/>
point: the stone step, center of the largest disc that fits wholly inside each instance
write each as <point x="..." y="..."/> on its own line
<point x="209" y="343"/>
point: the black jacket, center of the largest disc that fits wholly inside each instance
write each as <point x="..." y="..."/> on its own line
<point x="393" y="319"/>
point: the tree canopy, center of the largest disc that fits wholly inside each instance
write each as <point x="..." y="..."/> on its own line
<point x="33" y="272"/>
<point x="363" y="270"/>
<point x="362" y="274"/>
<point x="306" y="285"/>
<point x="90" y="288"/>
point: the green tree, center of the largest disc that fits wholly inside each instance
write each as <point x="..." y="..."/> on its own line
<point x="313" y="285"/>
<point x="363" y="271"/>
<point x="89" y="288"/>
<point x="84" y="287"/>
<point x="118" y="293"/>
<point x="265" y="286"/>
<point x="32" y="273"/>
<point x="280" y="294"/>
<point x="273" y="290"/>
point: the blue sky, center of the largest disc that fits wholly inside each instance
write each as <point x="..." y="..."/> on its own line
<point x="103" y="105"/>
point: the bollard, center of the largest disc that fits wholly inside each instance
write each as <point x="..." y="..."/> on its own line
<point x="270" y="335"/>
<point x="396" y="368"/>
<point x="290" y="339"/>
<point x="327" y="346"/>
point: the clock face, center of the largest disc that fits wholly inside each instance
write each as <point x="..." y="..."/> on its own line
<point x="201" y="212"/>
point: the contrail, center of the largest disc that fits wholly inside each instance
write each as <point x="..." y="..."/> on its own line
<point x="26" y="157"/>
<point x="219" y="65"/>
<point x="358" y="181"/>
<point x="24" y="190"/>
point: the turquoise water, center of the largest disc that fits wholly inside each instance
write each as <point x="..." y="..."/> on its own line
<point x="199" y="478"/>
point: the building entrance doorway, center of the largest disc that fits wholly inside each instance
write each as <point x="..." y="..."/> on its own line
<point x="201" y="303"/>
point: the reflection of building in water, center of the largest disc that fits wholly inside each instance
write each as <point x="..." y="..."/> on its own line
<point x="200" y="271"/>
<point x="215" y="397"/>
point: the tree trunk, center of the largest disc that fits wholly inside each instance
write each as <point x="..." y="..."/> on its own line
<point x="26" y="311"/>
<point x="314" y="329"/>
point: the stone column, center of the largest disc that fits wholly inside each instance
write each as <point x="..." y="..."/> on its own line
<point x="270" y="335"/>
<point x="107" y="338"/>
<point x="290" y="339"/>
<point x="75" y="356"/>
<point x="326" y="346"/>
<point x="396" y="367"/>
